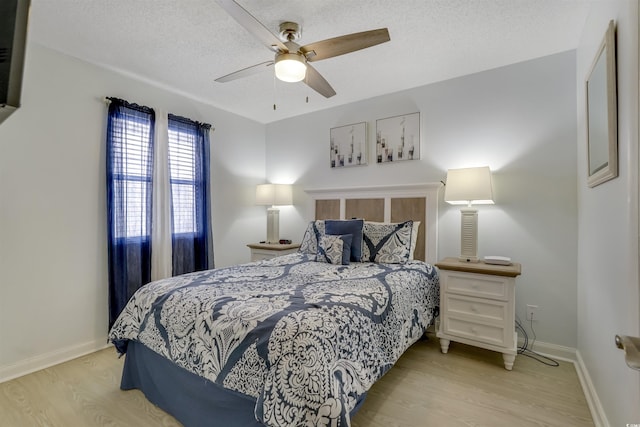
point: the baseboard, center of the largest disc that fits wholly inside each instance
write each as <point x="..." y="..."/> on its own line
<point x="43" y="361"/>
<point x="595" y="406"/>
<point x="560" y="352"/>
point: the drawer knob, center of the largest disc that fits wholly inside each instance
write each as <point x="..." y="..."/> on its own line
<point x="474" y="308"/>
<point x="474" y="286"/>
<point x="474" y="330"/>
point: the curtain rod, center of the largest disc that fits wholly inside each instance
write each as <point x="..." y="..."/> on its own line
<point x="107" y="100"/>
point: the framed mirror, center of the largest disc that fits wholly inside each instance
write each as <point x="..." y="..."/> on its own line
<point x="601" y="114"/>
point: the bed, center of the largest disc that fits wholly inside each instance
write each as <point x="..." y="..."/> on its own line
<point x="296" y="340"/>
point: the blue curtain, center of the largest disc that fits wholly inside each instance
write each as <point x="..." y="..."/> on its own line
<point x="192" y="243"/>
<point x="130" y="134"/>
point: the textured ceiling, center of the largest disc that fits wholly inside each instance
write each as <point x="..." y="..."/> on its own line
<point x="185" y="45"/>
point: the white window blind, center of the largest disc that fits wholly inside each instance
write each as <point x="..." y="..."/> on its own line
<point x="131" y="145"/>
<point x="182" y="168"/>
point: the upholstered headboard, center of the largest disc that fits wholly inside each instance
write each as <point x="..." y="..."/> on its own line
<point x="395" y="203"/>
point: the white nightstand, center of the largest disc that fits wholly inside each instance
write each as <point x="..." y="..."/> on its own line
<point x="477" y="306"/>
<point x="260" y="251"/>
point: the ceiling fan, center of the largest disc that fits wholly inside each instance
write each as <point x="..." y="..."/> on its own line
<point x="292" y="60"/>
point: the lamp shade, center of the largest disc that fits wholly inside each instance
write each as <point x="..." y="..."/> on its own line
<point x="469" y="186"/>
<point x="274" y="194"/>
<point x="290" y="67"/>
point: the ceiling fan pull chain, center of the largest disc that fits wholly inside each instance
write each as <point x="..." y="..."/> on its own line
<point x="274" y="92"/>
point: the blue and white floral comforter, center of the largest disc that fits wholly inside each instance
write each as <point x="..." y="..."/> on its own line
<point x="305" y="339"/>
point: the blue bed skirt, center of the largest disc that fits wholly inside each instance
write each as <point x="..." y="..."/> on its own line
<point x="192" y="400"/>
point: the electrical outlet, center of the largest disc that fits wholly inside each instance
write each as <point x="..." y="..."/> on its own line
<point x="532" y="311"/>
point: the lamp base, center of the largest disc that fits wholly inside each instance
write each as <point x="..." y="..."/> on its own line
<point x="469" y="235"/>
<point x="273" y="225"/>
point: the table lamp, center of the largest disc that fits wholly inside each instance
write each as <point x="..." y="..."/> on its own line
<point x="273" y="195"/>
<point x="469" y="186"/>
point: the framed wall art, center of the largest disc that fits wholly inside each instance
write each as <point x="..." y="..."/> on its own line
<point x="398" y="138"/>
<point x="601" y="114"/>
<point x="348" y="145"/>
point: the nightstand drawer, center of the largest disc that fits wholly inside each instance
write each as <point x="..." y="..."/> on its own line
<point x="490" y="334"/>
<point x="484" y="310"/>
<point x="258" y="255"/>
<point x="262" y="251"/>
<point x="478" y="285"/>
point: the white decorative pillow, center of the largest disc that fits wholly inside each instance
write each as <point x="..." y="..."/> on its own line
<point x="334" y="249"/>
<point x="388" y="243"/>
<point x="309" y="244"/>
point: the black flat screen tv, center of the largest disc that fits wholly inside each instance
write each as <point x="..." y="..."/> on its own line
<point x="14" y="15"/>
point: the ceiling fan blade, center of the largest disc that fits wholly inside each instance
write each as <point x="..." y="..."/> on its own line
<point x="315" y="81"/>
<point x="254" y="69"/>
<point x="252" y="25"/>
<point x="344" y="44"/>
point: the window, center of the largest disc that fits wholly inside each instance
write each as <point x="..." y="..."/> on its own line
<point x="132" y="180"/>
<point x="182" y="169"/>
<point x="130" y="131"/>
<point x="188" y="150"/>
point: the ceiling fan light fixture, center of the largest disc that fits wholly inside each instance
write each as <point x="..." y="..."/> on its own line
<point x="290" y="67"/>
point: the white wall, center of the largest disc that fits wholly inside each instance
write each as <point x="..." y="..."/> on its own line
<point x="520" y="120"/>
<point x="53" y="258"/>
<point x="608" y="295"/>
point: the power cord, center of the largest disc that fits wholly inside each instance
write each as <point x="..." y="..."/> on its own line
<point x="527" y="350"/>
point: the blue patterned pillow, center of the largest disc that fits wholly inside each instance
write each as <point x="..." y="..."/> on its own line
<point x="309" y="244"/>
<point x="349" y="226"/>
<point x="387" y="243"/>
<point x="334" y="249"/>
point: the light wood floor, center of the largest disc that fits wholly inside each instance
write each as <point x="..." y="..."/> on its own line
<point x="466" y="387"/>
